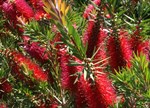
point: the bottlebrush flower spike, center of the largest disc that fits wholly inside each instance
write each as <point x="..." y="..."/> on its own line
<point x="98" y="95"/>
<point x="36" y="51"/>
<point x="15" y="70"/>
<point x="5" y="86"/>
<point x="126" y="48"/>
<point x="36" y="70"/>
<point x="86" y="92"/>
<point x="67" y="71"/>
<point x="10" y="12"/>
<point x="3" y="105"/>
<point x="90" y="8"/>
<point x="136" y="39"/>
<point x="1" y="2"/>
<point x="23" y="7"/>
<point x="116" y="61"/>
<point x="135" y="42"/>
<point x="88" y="31"/>
<point x="91" y="36"/>
<point x="105" y="90"/>
<point x="80" y="101"/>
<point x="144" y="48"/>
<point x="39" y="14"/>
<point x="54" y="105"/>
<point x="100" y="47"/>
<point x="34" y="2"/>
<point x="20" y="76"/>
<point x="37" y="4"/>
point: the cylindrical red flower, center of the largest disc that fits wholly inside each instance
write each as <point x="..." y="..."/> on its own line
<point x="104" y="90"/>
<point x="91" y="36"/>
<point x="3" y="105"/>
<point x="135" y="42"/>
<point x="136" y="39"/>
<point x="5" y="86"/>
<point x="39" y="14"/>
<point x="65" y="71"/>
<point x="80" y="101"/>
<point x="101" y="48"/>
<point x="23" y="7"/>
<point x="36" y="51"/>
<point x="88" y="31"/>
<point x="125" y="47"/>
<point x="37" y="71"/>
<point x="144" y="48"/>
<point x="98" y="95"/>
<point x="37" y="4"/>
<point x="90" y="8"/>
<point x="16" y="72"/>
<point x="10" y="12"/>
<point x="68" y="72"/>
<point x="116" y="61"/>
<point x="87" y="93"/>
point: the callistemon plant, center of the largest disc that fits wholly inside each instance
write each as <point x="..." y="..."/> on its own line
<point x="74" y="54"/>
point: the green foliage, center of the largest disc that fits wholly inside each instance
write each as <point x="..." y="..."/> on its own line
<point x="134" y="83"/>
<point x="4" y="67"/>
<point x="131" y="83"/>
<point x="71" y="37"/>
<point x="39" y="30"/>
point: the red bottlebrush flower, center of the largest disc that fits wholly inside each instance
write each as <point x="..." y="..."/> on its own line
<point x="53" y="106"/>
<point x="19" y="76"/>
<point x="1" y="2"/>
<point x="37" y="52"/>
<point x="25" y="38"/>
<point x="88" y="31"/>
<point x="5" y="86"/>
<point x="85" y="89"/>
<point x="136" y="39"/>
<point x="37" y="4"/>
<point x="80" y="101"/>
<point x="15" y="70"/>
<point x="126" y="48"/>
<point x="116" y="61"/>
<point x="67" y="71"/>
<point x="21" y="60"/>
<point x="34" y="2"/>
<point x="100" y="47"/>
<point x="105" y="92"/>
<point x="10" y="12"/>
<point x="144" y="48"/>
<point x="80" y="96"/>
<point x="98" y="95"/>
<point x="23" y="7"/>
<point x="3" y="105"/>
<point x="90" y="8"/>
<point x="135" y="42"/>
<point x="91" y="36"/>
<point x="39" y="14"/>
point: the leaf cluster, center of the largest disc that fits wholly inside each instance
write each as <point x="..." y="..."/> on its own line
<point x="134" y="83"/>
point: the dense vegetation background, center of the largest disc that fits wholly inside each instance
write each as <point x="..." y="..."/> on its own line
<point x="74" y="54"/>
